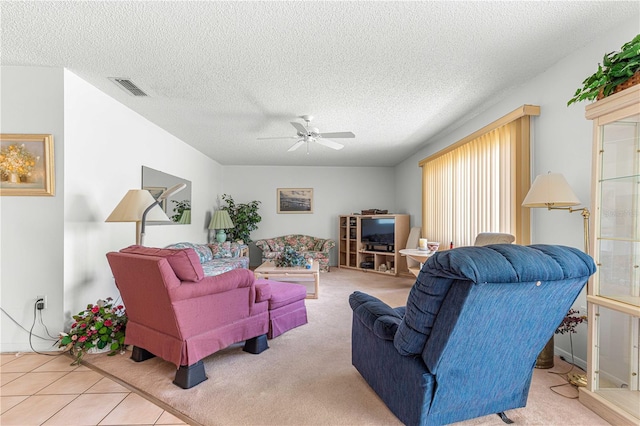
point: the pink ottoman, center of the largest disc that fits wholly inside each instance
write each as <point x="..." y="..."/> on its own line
<point x="286" y="307"/>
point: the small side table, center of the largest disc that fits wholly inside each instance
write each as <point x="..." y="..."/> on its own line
<point x="417" y="255"/>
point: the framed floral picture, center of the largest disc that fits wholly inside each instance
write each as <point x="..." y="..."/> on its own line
<point x="295" y="200"/>
<point x="26" y="164"/>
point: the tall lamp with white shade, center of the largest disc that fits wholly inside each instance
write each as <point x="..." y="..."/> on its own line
<point x="138" y="205"/>
<point x="553" y="192"/>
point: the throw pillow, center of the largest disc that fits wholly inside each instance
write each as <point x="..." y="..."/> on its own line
<point x="202" y="250"/>
<point x="221" y="249"/>
<point x="319" y="245"/>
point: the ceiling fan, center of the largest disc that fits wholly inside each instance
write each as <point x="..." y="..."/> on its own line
<point x="308" y="134"/>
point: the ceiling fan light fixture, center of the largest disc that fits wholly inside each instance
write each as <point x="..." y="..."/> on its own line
<point x="306" y="134"/>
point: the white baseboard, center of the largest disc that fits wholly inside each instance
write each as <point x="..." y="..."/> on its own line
<point x="567" y="357"/>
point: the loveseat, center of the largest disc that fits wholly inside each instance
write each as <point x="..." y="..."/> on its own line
<point x="217" y="258"/>
<point x="177" y="313"/>
<point x="310" y="247"/>
<point x="467" y="341"/>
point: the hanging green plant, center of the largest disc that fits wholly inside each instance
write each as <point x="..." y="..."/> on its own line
<point x="616" y="68"/>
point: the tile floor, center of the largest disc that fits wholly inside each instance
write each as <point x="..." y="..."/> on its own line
<point x="45" y="390"/>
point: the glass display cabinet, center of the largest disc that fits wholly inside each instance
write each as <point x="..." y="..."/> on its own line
<point x="613" y="295"/>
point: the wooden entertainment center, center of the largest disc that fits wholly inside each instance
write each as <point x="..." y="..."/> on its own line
<point x="368" y="256"/>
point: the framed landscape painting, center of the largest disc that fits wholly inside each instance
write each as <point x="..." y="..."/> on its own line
<point x="295" y="200"/>
<point x="26" y="164"/>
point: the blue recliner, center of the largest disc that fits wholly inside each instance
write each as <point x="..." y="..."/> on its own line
<point x="466" y="343"/>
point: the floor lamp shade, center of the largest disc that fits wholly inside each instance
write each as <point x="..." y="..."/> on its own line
<point x="221" y="221"/>
<point x="551" y="189"/>
<point x="133" y="205"/>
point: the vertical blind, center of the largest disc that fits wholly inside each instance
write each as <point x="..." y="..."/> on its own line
<point x="477" y="185"/>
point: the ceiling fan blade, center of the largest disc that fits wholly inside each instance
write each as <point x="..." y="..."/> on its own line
<point x="279" y="137"/>
<point x="330" y="144"/>
<point x="338" y="135"/>
<point x="296" y="145"/>
<point x="299" y="127"/>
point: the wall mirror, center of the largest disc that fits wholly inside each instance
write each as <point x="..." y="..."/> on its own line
<point x="178" y="206"/>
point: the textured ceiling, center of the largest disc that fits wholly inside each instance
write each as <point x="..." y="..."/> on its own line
<point x="222" y="74"/>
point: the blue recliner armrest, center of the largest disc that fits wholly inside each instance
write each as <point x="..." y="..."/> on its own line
<point x="376" y="315"/>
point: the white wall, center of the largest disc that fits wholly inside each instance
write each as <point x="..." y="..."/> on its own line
<point x="106" y="146"/>
<point x="55" y="246"/>
<point x="31" y="242"/>
<point x="336" y="191"/>
<point x="562" y="139"/>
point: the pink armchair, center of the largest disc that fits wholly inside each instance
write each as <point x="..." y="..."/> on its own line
<point x="178" y="314"/>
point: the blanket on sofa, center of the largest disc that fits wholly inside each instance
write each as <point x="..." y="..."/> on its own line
<point x="217" y="258"/>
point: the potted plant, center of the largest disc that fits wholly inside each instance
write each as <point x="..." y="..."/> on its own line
<point x="617" y="68"/>
<point x="568" y="325"/>
<point x="245" y="218"/>
<point x="179" y="208"/>
<point x="98" y="327"/>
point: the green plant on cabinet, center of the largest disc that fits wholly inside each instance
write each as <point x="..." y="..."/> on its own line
<point x="616" y="68"/>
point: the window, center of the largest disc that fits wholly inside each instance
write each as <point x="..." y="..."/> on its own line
<point x="478" y="184"/>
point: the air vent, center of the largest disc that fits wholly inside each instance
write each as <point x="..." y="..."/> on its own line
<point x="128" y="86"/>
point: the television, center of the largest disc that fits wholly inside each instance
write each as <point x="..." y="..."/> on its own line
<point x="377" y="231"/>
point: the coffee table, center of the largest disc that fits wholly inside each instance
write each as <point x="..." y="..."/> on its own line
<point x="291" y="273"/>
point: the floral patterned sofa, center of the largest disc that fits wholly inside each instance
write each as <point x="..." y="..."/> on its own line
<point x="309" y="247"/>
<point x="217" y="258"/>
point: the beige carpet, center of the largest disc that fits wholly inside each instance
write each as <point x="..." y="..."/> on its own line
<point x="306" y="377"/>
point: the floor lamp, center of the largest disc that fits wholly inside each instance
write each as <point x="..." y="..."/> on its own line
<point x="138" y="205"/>
<point x="553" y="192"/>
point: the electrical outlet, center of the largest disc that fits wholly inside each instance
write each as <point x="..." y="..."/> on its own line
<point x="42" y="304"/>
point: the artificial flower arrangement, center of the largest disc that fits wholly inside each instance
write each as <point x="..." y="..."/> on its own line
<point x="570" y="321"/>
<point x="290" y="257"/>
<point x="99" y="326"/>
